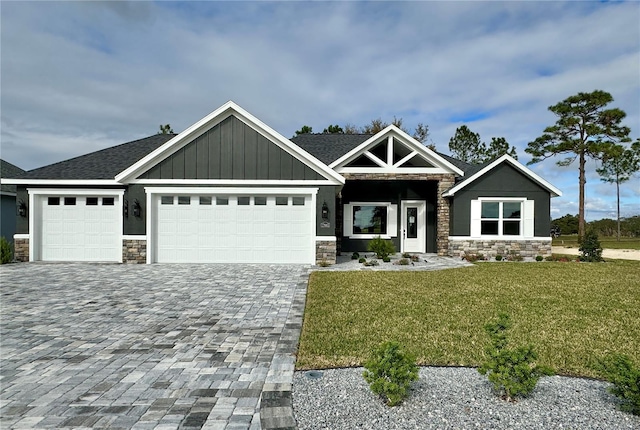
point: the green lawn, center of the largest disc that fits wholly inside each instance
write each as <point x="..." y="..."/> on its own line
<point x="605" y="242"/>
<point x="573" y="313"/>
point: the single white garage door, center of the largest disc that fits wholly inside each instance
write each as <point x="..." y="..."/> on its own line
<point x="234" y="229"/>
<point x="80" y="228"/>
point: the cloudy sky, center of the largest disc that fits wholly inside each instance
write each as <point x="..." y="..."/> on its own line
<point x="80" y="76"/>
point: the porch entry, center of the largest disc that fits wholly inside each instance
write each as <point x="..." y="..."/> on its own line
<point x="414" y="226"/>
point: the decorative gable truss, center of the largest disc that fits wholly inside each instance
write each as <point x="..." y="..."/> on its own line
<point x="393" y="151"/>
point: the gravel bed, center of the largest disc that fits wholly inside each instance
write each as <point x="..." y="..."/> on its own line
<point x="454" y="398"/>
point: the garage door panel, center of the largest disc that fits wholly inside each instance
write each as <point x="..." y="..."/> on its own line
<point x="259" y="232"/>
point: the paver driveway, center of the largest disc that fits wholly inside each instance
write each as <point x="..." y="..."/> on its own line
<point x="145" y="346"/>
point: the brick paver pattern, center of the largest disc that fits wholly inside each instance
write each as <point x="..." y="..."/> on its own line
<point x="139" y="346"/>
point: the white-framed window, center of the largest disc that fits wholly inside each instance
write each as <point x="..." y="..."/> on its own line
<point x="366" y="220"/>
<point x="502" y="217"/>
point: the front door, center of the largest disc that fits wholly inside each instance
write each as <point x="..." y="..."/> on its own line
<point x="414" y="222"/>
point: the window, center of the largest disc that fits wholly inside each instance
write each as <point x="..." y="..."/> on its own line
<point x="184" y="200"/>
<point x="69" y="201"/>
<point x="501" y="218"/>
<point x="297" y="201"/>
<point x="205" y="200"/>
<point x="370" y="219"/>
<point x="92" y="201"/>
<point x="282" y="201"/>
<point x="108" y="201"/>
<point x="53" y="201"/>
<point x="243" y="201"/>
<point x="260" y="200"/>
<point x="222" y="201"/>
<point x="166" y="200"/>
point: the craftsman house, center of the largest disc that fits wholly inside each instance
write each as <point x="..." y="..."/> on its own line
<point x="231" y="189"/>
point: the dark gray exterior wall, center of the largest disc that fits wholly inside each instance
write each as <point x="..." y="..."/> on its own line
<point x="231" y="150"/>
<point x="22" y="223"/>
<point x="503" y="181"/>
<point x="135" y="225"/>
<point x="392" y="192"/>
<point x="7" y="216"/>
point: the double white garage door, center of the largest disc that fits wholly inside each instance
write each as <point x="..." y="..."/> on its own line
<point x="233" y="228"/>
<point x="193" y="228"/>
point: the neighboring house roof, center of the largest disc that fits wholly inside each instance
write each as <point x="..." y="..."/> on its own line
<point x="328" y="147"/>
<point x="487" y="167"/>
<point x="8" y="170"/>
<point x="103" y="164"/>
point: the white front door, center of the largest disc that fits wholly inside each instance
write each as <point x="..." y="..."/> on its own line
<point x="414" y="225"/>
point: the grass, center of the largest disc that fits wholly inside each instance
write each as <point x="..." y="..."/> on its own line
<point x="573" y="313"/>
<point x="605" y="242"/>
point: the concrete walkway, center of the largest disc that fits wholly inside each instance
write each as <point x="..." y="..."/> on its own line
<point x="148" y="347"/>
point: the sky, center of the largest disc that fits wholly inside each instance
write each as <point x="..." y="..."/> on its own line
<point x="76" y="77"/>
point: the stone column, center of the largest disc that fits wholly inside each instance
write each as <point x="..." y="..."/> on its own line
<point x="443" y="214"/>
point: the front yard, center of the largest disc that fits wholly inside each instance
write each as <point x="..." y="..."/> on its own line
<point x="573" y="313"/>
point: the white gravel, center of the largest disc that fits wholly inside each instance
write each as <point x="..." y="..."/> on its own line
<point x="454" y="398"/>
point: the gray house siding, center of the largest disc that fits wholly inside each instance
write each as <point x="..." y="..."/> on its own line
<point x="8" y="216"/>
<point x="22" y="223"/>
<point x="503" y="181"/>
<point x="231" y="150"/>
<point x="393" y="192"/>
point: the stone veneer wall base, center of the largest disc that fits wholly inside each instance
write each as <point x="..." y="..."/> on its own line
<point x="134" y="251"/>
<point x="491" y="248"/>
<point x="326" y="251"/>
<point x="21" y="250"/>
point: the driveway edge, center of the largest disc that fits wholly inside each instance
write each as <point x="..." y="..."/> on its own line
<point x="276" y="408"/>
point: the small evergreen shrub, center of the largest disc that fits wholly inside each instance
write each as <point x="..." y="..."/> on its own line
<point x="355" y="256"/>
<point x="362" y="260"/>
<point x="390" y="372"/>
<point x="512" y="371"/>
<point x="625" y="378"/>
<point x="498" y="257"/>
<point x="6" y="254"/>
<point x="539" y="258"/>
<point x="590" y="248"/>
<point x="382" y="247"/>
<point x="402" y="262"/>
<point x="386" y="259"/>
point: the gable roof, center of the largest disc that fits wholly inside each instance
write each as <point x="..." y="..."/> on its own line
<point x="416" y="147"/>
<point x="487" y="167"/>
<point x="228" y="109"/>
<point x="100" y="165"/>
<point x="9" y="170"/>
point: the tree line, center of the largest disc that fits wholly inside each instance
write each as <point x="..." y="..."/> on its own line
<point x="629" y="227"/>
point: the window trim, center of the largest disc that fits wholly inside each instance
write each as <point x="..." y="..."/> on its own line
<point x="392" y="220"/>
<point x="526" y="219"/>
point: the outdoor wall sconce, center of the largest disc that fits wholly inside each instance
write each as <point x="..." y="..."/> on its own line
<point x="137" y="209"/>
<point x="125" y="208"/>
<point x="325" y="211"/>
<point x="22" y="209"/>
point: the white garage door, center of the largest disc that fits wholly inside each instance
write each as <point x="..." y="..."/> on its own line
<point x="80" y="228"/>
<point x="234" y="229"/>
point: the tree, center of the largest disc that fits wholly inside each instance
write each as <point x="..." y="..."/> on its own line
<point x="333" y="129"/>
<point x="499" y="147"/>
<point x="584" y="129"/>
<point x="421" y="134"/>
<point x="305" y="129"/>
<point x="376" y="126"/>
<point x="351" y="129"/>
<point x="466" y="146"/>
<point x="618" y="165"/>
<point x="567" y="224"/>
<point x="165" y="129"/>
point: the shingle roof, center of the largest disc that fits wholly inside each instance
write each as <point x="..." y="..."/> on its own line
<point x="328" y="147"/>
<point x="103" y="164"/>
<point x="8" y="170"/>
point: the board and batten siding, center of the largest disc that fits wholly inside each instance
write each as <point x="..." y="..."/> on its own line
<point x="231" y="150"/>
<point x="503" y="181"/>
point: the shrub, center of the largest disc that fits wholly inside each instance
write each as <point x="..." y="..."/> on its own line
<point x="415" y="258"/>
<point x="390" y="372"/>
<point x="402" y="262"/>
<point x="406" y="255"/>
<point x="6" y="254"/>
<point x="498" y="257"/>
<point x="590" y="248"/>
<point x="511" y="370"/>
<point x="539" y="258"/>
<point x="386" y="259"/>
<point x="473" y="257"/>
<point x="355" y="256"/>
<point x="382" y="247"/>
<point x="625" y="378"/>
<point x="515" y="256"/>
